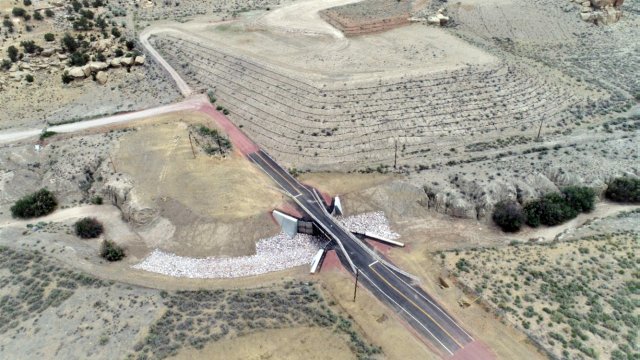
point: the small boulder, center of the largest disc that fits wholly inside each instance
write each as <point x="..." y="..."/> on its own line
<point x="127" y="61"/>
<point x="87" y="70"/>
<point x="97" y="66"/>
<point x="77" y="73"/>
<point x="139" y="60"/>
<point x="102" y="45"/>
<point x="586" y="16"/>
<point x="62" y="56"/>
<point x="48" y="52"/>
<point x="433" y="20"/>
<point x="115" y="62"/>
<point x="102" y="77"/>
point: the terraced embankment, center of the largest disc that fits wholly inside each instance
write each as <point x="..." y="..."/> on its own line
<point x="331" y="124"/>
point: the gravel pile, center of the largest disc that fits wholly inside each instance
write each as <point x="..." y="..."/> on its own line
<point x="272" y="254"/>
<point x="374" y="223"/>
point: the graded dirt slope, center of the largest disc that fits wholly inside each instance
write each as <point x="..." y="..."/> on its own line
<point x="206" y="206"/>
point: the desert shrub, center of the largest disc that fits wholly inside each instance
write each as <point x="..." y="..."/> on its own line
<point x="115" y="32"/>
<point x="78" y="59"/>
<point x="212" y="97"/>
<point x="29" y="78"/>
<point x="82" y="24"/>
<point x="37" y="15"/>
<point x="96" y="200"/>
<point x="69" y="43"/>
<point x="49" y="37"/>
<point x="26" y="2"/>
<point x="49" y="13"/>
<point x="13" y="52"/>
<point x="130" y="44"/>
<point x="552" y="209"/>
<point x="40" y="203"/>
<point x="46" y="134"/>
<point x="66" y="78"/>
<point x="30" y="46"/>
<point x="88" y="228"/>
<point x="508" y="215"/>
<point x="110" y="251"/>
<point x="18" y="12"/>
<point x="624" y="189"/>
<point x="6" y="64"/>
<point x="119" y="52"/>
<point x="580" y="198"/>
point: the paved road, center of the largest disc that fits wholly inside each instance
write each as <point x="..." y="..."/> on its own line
<point x="382" y="278"/>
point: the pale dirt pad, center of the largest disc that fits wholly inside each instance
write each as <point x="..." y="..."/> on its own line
<point x="214" y="206"/>
<point x="286" y="344"/>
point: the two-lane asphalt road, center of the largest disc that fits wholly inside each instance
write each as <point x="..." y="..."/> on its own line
<point x="383" y="279"/>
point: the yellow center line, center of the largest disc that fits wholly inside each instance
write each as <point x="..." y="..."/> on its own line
<point x="276" y="171"/>
<point x="416" y="305"/>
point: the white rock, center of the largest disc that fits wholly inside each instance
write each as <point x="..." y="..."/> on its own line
<point x="116" y="62"/>
<point x="433" y="20"/>
<point x="77" y="72"/>
<point x="87" y="70"/>
<point x="127" y="61"/>
<point x="97" y="66"/>
<point x="62" y="56"/>
<point x="102" y="77"/>
<point x="139" y="60"/>
<point x="47" y="52"/>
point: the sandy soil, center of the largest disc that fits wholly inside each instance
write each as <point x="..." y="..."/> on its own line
<point x="328" y="58"/>
<point x="208" y="205"/>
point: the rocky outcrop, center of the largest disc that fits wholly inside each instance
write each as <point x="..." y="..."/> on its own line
<point x="601" y="12"/>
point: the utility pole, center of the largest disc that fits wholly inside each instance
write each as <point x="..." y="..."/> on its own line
<point x="355" y="288"/>
<point x="539" y="129"/>
<point x="191" y="142"/>
<point x="395" y="158"/>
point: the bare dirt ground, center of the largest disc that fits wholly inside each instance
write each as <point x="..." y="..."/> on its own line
<point x="202" y="211"/>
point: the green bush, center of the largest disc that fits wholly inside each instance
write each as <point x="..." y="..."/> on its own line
<point x="508" y="216"/>
<point x="49" y="13"/>
<point x="18" y="12"/>
<point x="96" y="200"/>
<point x="49" y="37"/>
<point x="580" y="198"/>
<point x="88" y="228"/>
<point x="40" y="203"/>
<point x="111" y="251"/>
<point x="66" y="78"/>
<point x="550" y="210"/>
<point x="29" y="78"/>
<point x="13" y="53"/>
<point x="624" y="189"/>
